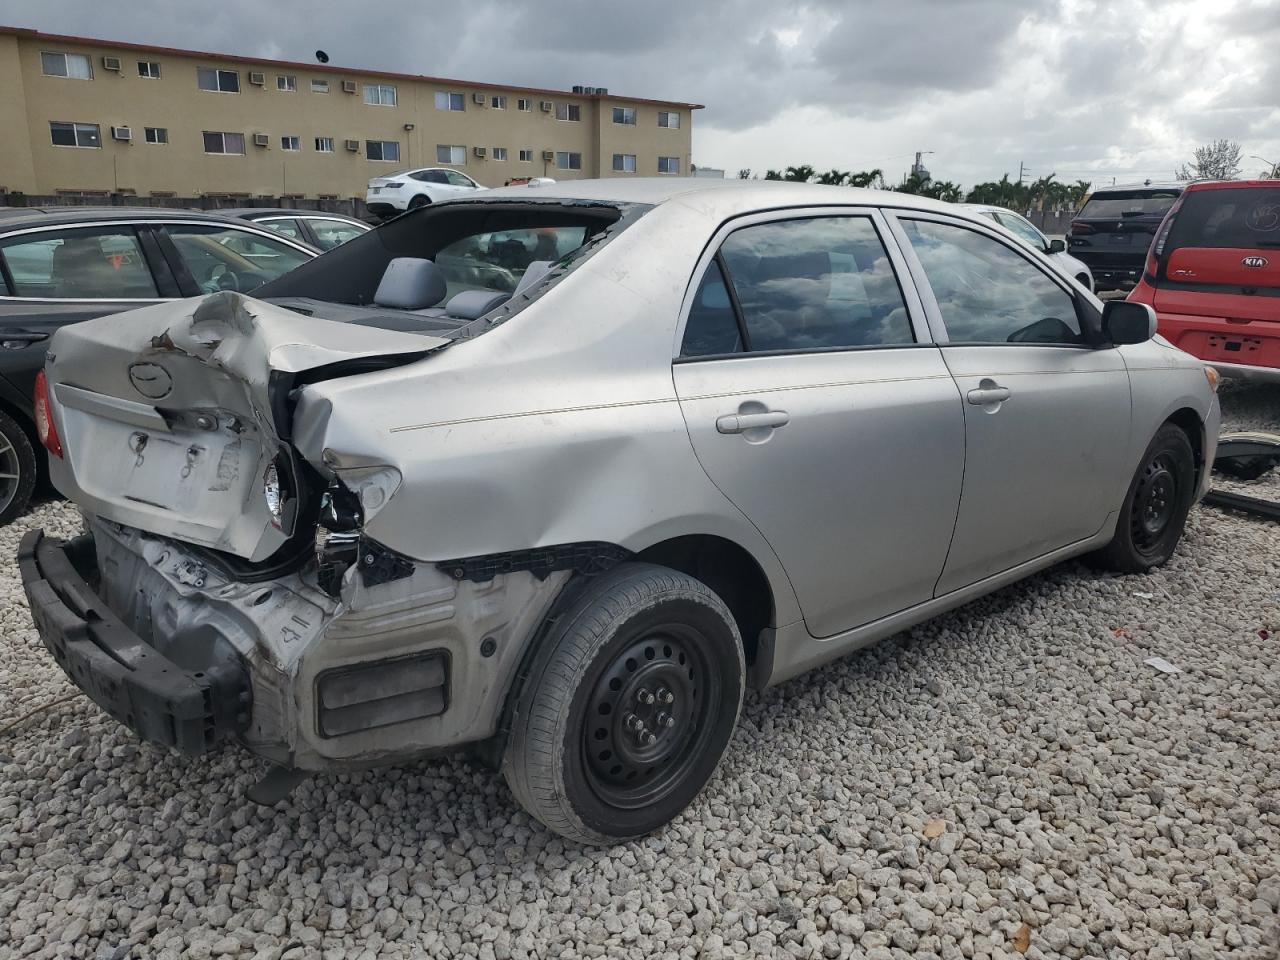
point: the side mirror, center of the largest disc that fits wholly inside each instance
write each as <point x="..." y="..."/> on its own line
<point x="1056" y="246"/>
<point x="1124" y="322"/>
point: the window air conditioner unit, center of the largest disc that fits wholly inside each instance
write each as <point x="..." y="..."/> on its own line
<point x="479" y="151"/>
<point x="353" y="146"/>
<point x="545" y="106"/>
<point x="257" y="79"/>
<point x="478" y="98"/>
<point x="578" y="88"/>
<point x="111" y="63"/>
<point x="548" y="155"/>
<point x="261" y="140"/>
<point x="348" y="86"/>
<point x="121" y="133"/>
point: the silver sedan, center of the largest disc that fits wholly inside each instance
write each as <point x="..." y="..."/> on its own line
<point x="558" y="472"/>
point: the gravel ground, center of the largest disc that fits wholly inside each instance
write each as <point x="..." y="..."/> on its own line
<point x="1011" y="778"/>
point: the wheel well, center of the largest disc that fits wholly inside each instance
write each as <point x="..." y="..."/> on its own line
<point x="730" y="571"/>
<point x="29" y="428"/>
<point x="1189" y="422"/>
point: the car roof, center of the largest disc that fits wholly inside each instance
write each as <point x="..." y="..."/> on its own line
<point x="1149" y="185"/>
<point x="1198" y="185"/>
<point x="252" y="213"/>
<point x="16" y="217"/>
<point x="745" y="195"/>
<point x="988" y="208"/>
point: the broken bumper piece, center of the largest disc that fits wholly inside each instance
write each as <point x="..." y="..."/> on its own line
<point x="189" y="710"/>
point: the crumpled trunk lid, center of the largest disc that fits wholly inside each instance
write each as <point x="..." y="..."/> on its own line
<point x="171" y="415"/>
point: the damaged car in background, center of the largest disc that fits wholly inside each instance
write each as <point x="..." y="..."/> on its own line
<point x="557" y="477"/>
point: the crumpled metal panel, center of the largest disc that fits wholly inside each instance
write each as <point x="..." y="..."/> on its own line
<point x="166" y="412"/>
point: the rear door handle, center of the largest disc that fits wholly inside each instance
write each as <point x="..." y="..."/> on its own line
<point x="740" y="422"/>
<point x="15" y="339"/>
<point x="988" y="393"/>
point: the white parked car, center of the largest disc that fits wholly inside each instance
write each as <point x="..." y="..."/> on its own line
<point x="407" y="189"/>
<point x="1028" y="233"/>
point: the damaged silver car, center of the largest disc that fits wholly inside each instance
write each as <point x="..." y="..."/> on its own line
<point x="557" y="473"/>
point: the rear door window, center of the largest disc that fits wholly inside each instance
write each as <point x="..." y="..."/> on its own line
<point x="87" y="263"/>
<point x="1239" y="217"/>
<point x="285" y="226"/>
<point x="805" y="284"/>
<point x="989" y="293"/>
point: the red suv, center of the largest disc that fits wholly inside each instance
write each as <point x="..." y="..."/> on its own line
<point x="1213" y="276"/>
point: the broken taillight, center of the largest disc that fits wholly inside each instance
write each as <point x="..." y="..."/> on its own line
<point x="45" y="427"/>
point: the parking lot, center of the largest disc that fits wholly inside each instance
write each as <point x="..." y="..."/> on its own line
<point x="1008" y="779"/>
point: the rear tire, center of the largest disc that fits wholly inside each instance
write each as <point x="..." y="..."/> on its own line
<point x="17" y="469"/>
<point x="421" y="200"/>
<point x="629" y="704"/>
<point x="1155" y="508"/>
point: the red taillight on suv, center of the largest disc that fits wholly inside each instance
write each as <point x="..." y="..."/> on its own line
<point x="1079" y="229"/>
<point x="45" y="428"/>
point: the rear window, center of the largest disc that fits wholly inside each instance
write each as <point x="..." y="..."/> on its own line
<point x="476" y="245"/>
<point x="1129" y="203"/>
<point x="1245" y="217"/>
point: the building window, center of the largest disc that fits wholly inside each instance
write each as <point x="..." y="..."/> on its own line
<point x="75" y="134"/>
<point x="498" y="103"/>
<point x="447" y="153"/>
<point x="290" y="143"/>
<point x="568" y="161"/>
<point x="287" y="83"/>
<point x="218" y="81"/>
<point x="669" y="120"/>
<point x="624" y="115"/>
<point x="380" y="94"/>
<point x="74" y="66"/>
<point x="149" y="69"/>
<point x="526" y="155"/>
<point x="624" y="162"/>
<point x="450" y="101"/>
<point x="324" y="144"/>
<point x="156" y="134"/>
<point x="568" y="111"/>
<point x="319" y="86"/>
<point x="215" y="142"/>
<point x="499" y="153"/>
<point x="668" y="164"/>
<point x="524" y="105"/>
<point x="388" y="150"/>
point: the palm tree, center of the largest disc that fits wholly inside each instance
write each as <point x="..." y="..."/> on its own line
<point x="772" y="175"/>
<point x="801" y="174"/>
<point x="834" y="178"/>
<point x="867" y="178"/>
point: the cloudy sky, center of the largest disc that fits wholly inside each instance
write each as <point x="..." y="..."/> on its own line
<point x="1085" y="88"/>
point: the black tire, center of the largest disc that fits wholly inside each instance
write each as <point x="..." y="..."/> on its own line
<point x="17" y="469"/>
<point x="641" y="644"/>
<point x="1155" y="508"/>
<point x="421" y="200"/>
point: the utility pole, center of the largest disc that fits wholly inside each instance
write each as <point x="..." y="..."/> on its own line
<point x="1023" y="173"/>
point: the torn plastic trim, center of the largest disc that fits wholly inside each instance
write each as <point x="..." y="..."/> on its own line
<point x="587" y="557"/>
<point x="341" y="546"/>
<point x="1246" y="456"/>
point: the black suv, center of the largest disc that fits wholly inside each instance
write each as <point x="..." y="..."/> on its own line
<point x="1113" y="230"/>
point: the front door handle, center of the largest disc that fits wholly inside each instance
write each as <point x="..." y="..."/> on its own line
<point x="988" y="392"/>
<point x="741" y="422"/>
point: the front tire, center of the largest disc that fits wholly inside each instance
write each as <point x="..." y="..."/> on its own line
<point x="629" y="704"/>
<point x="17" y="469"/>
<point x="1155" y="508"/>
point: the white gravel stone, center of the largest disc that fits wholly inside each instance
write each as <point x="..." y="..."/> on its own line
<point x="1119" y="812"/>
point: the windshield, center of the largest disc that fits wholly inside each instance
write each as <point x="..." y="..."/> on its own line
<point x="1244" y="218"/>
<point x="476" y="246"/>
<point x="1129" y="203"/>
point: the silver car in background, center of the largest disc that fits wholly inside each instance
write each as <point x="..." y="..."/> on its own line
<point x="557" y="473"/>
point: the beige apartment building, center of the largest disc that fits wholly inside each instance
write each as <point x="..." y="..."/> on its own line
<point x="85" y="116"/>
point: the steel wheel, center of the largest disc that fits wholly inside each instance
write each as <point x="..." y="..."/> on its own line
<point x="1155" y="501"/>
<point x="647" y="717"/>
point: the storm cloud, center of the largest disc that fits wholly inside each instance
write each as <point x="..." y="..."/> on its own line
<point x="1088" y="89"/>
